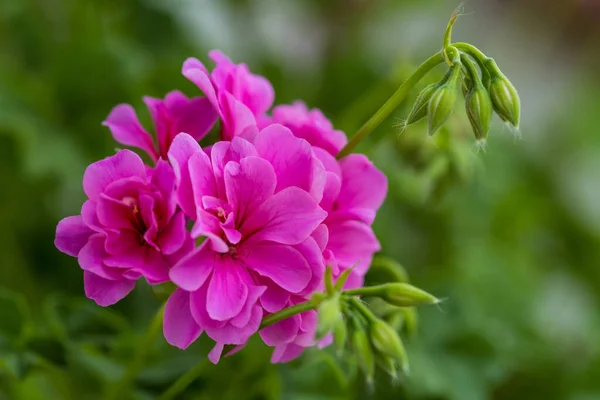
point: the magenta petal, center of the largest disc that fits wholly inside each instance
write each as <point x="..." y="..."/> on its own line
<point x="243" y="318"/>
<point x="182" y="149"/>
<point x="179" y="327"/>
<point x="91" y="258"/>
<point x="198" y="308"/>
<point x="321" y="236"/>
<point x="333" y="185"/>
<point x="102" y="173"/>
<point x="88" y="213"/>
<point x="353" y="244"/>
<point x="222" y="152"/>
<point x="314" y="257"/>
<point x="71" y="235"/>
<point x="191" y="271"/>
<point x="197" y="73"/>
<point x="288" y="217"/>
<point x="202" y="177"/>
<point x="163" y="178"/>
<point x="283" y="264"/>
<point x="286" y="352"/>
<point x="173" y="236"/>
<point x="363" y="185"/>
<point x="126" y="129"/>
<point x="248" y="184"/>
<point x="291" y="157"/>
<point x="233" y="335"/>
<point x="106" y="292"/>
<point x="113" y="213"/>
<point x="237" y="117"/>
<point x="215" y="354"/>
<point x="274" y="298"/>
<point x="282" y="332"/>
<point x="227" y="291"/>
<point x="196" y="117"/>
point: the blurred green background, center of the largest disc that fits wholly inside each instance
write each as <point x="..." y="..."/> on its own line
<point x="511" y="238"/>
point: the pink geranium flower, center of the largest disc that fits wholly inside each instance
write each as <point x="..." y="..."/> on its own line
<point x="258" y="205"/>
<point x="240" y="97"/>
<point x="129" y="228"/>
<point x="310" y="125"/>
<point x="176" y="113"/>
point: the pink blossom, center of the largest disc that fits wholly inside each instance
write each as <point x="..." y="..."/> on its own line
<point x="310" y="125"/>
<point x="240" y="97"/>
<point x="257" y="203"/>
<point x="176" y="113"/>
<point x="129" y="228"/>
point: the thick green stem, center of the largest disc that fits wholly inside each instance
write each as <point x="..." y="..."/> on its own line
<point x="136" y="364"/>
<point x="391" y="104"/>
<point x="367" y="291"/>
<point x="287" y="312"/>
<point x="184" y="381"/>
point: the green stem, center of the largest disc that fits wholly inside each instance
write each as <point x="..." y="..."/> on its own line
<point x="391" y="104"/>
<point x="184" y="381"/>
<point x="367" y="291"/>
<point x="364" y="310"/>
<point x="286" y="313"/>
<point x="133" y="369"/>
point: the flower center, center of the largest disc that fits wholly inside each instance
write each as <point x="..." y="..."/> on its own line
<point x="136" y="220"/>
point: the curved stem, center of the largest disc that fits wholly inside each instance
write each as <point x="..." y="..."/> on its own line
<point x="136" y="364"/>
<point x="286" y="313"/>
<point x="184" y="381"/>
<point x="367" y="291"/>
<point x="391" y="104"/>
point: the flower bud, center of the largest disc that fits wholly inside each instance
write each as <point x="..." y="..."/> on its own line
<point x="388" y="365"/>
<point x="479" y="110"/>
<point x="329" y="314"/>
<point x="340" y="332"/>
<point x="386" y="341"/>
<point x="505" y="98"/>
<point x="442" y="101"/>
<point x="364" y="353"/>
<point x="402" y="294"/>
<point x="419" y="110"/>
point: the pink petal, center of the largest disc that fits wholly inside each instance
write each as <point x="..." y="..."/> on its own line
<point x="195" y="116"/>
<point x="286" y="353"/>
<point x="91" y="258"/>
<point x="321" y="236"/>
<point x="113" y="213"/>
<point x="233" y="335"/>
<point x="274" y="298"/>
<point x="292" y="159"/>
<point x="333" y="185"/>
<point x="363" y="185"/>
<point x="282" y="332"/>
<point x="179" y="327"/>
<point x="106" y="292"/>
<point x="222" y="152"/>
<point x="126" y="129"/>
<point x="163" y="178"/>
<point x="237" y="117"/>
<point x="215" y="354"/>
<point x="198" y="308"/>
<point x="243" y="318"/>
<point x="102" y="173"/>
<point x="353" y="243"/>
<point x="227" y="291"/>
<point x="88" y="213"/>
<point x="288" y="217"/>
<point x="144" y="260"/>
<point x="191" y="271"/>
<point x="202" y="177"/>
<point x="197" y="73"/>
<point x="182" y="149"/>
<point x="314" y="257"/>
<point x="71" y="235"/>
<point x="248" y="184"/>
<point x="284" y="265"/>
<point x="173" y="236"/>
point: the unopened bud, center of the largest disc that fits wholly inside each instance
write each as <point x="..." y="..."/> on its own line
<point x="479" y="110"/>
<point x="419" y="110"/>
<point x="505" y="98"/>
<point x="442" y="101"/>
<point x="329" y="314"/>
<point x="403" y="294"/>
<point x="340" y="332"/>
<point x="388" y="365"/>
<point x="364" y="353"/>
<point x="386" y="340"/>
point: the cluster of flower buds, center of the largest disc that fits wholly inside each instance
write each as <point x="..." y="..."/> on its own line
<point x="372" y="333"/>
<point x="485" y="89"/>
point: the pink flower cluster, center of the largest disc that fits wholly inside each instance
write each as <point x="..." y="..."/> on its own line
<point x="269" y="208"/>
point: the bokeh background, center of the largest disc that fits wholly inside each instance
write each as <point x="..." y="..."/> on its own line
<point x="511" y="238"/>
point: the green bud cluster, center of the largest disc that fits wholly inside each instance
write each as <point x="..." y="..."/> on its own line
<point x="371" y="330"/>
<point x="484" y="87"/>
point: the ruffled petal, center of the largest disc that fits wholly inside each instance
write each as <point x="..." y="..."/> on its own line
<point x="102" y="173"/>
<point x="106" y="292"/>
<point x="71" y="235"/>
<point x="179" y="327"/>
<point x="126" y="129"/>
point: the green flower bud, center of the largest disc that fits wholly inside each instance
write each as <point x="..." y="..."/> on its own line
<point x="386" y="341"/>
<point x="419" y="110"/>
<point x="410" y="320"/>
<point x="442" y="101"/>
<point x="479" y="110"/>
<point x="388" y="365"/>
<point x="403" y="294"/>
<point x="340" y="332"/>
<point x="364" y="353"/>
<point x="505" y="98"/>
<point x="329" y="315"/>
